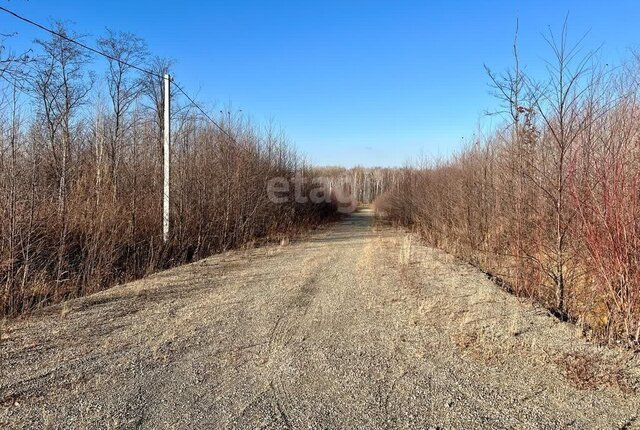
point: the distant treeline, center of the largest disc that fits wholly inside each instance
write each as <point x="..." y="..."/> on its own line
<point x="364" y="184"/>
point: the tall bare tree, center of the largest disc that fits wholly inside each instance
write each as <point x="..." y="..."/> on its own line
<point x="61" y="84"/>
<point x="126" y="51"/>
<point x="559" y="102"/>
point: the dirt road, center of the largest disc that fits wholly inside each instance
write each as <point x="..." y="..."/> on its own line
<point x="355" y="326"/>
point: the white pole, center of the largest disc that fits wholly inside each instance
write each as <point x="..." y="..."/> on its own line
<point x="167" y="157"/>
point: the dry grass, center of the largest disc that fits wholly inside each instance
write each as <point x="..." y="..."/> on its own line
<point x="587" y="371"/>
<point x="405" y="251"/>
<point x="3" y="335"/>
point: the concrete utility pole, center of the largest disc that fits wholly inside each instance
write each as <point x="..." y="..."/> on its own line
<point x="167" y="156"/>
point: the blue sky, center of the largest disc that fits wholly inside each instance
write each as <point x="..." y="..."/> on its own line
<point x="351" y="82"/>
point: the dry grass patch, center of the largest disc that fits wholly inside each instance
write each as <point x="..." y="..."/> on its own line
<point x="465" y="340"/>
<point x="3" y="332"/>
<point x="405" y="251"/>
<point x="588" y="371"/>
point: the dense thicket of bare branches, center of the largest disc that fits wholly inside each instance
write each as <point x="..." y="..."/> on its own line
<point x="81" y="178"/>
<point x="549" y="202"/>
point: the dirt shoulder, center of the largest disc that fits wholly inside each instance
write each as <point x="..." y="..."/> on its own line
<point x="356" y="326"/>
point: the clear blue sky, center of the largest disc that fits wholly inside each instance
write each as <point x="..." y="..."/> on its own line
<point x="351" y="82"/>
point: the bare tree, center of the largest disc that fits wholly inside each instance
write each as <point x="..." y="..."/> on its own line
<point x="62" y="85"/>
<point x="559" y="102"/>
<point x="152" y="87"/>
<point x="126" y="51"/>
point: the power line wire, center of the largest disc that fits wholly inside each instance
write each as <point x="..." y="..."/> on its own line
<point x="218" y="126"/>
<point x="69" y="39"/>
<point x="110" y="57"/>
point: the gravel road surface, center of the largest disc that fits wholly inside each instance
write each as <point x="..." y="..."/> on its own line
<point x="357" y="326"/>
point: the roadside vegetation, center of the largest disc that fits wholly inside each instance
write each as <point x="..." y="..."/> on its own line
<point x="81" y="173"/>
<point x="548" y="203"/>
